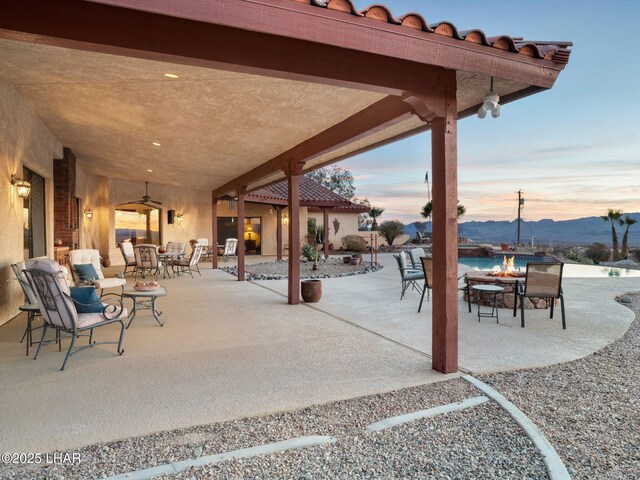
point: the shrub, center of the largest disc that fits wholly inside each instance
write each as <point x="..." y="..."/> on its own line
<point x="598" y="252"/>
<point x="309" y="252"/>
<point x="311" y="226"/>
<point x="576" y="256"/>
<point x="391" y="229"/>
<point x="355" y="243"/>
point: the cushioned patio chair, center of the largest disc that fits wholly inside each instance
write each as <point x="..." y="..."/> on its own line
<point x="60" y="311"/>
<point x="230" y="248"/>
<point x="85" y="266"/>
<point x="409" y="276"/>
<point x="188" y="264"/>
<point x="176" y="249"/>
<point x="415" y="254"/>
<point x="207" y="250"/>
<point x="31" y="303"/>
<point x="146" y="260"/>
<point x="543" y="280"/>
<point x="126" y="248"/>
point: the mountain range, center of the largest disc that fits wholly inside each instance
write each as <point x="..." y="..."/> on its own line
<point x="579" y="231"/>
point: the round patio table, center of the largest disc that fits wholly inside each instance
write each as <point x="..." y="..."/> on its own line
<point x="145" y="300"/>
<point x="488" y="290"/>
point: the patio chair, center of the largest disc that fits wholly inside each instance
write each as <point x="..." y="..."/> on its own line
<point x="146" y="255"/>
<point x="176" y="249"/>
<point x="59" y="310"/>
<point x="427" y="270"/>
<point x="31" y="303"/>
<point x="207" y="250"/>
<point x="415" y="254"/>
<point x="543" y="280"/>
<point x="126" y="248"/>
<point x="230" y="248"/>
<point x="409" y="276"/>
<point x="188" y="264"/>
<point x="80" y="259"/>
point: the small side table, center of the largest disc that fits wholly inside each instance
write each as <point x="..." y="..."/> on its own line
<point x="139" y="303"/>
<point x="488" y="290"/>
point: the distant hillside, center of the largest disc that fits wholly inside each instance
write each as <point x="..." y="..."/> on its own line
<point x="580" y="231"/>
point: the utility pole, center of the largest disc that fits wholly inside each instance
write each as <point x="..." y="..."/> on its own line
<point x="520" y="204"/>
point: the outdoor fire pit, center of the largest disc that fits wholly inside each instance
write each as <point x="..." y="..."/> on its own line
<point x="504" y="277"/>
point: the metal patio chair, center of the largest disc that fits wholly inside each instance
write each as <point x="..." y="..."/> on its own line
<point x="190" y="263"/>
<point x="409" y="276"/>
<point x="176" y="249"/>
<point x="543" y="280"/>
<point x="427" y="268"/>
<point x="30" y="306"/>
<point x="230" y="248"/>
<point x="90" y="256"/>
<point x="126" y="248"/>
<point x="59" y="311"/>
<point x="415" y="254"/>
<point x="146" y="260"/>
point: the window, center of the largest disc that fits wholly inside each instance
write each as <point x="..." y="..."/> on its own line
<point x="34" y="217"/>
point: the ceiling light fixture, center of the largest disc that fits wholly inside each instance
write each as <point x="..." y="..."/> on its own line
<point x="171" y="75"/>
<point x="490" y="104"/>
<point x="156" y="144"/>
<point x="22" y="186"/>
<point x="149" y="170"/>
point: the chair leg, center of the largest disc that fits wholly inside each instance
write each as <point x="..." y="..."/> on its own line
<point x="522" y="311"/>
<point x="73" y="341"/>
<point x="422" y="297"/>
<point x="564" y="324"/>
<point x="44" y="332"/>
<point x="122" y="328"/>
<point x="404" y="288"/>
<point x="553" y="301"/>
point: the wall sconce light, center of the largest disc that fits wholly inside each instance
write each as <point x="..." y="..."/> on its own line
<point x="88" y="213"/>
<point x="285" y="219"/>
<point x="179" y="218"/>
<point x="490" y="104"/>
<point x="23" y="187"/>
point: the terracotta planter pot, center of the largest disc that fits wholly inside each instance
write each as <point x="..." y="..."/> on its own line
<point x="354" y="261"/>
<point x="311" y="290"/>
<point x="346" y="259"/>
<point x="106" y="263"/>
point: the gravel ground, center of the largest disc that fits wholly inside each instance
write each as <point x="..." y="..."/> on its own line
<point x="330" y="268"/>
<point x="480" y="442"/>
<point x="589" y="409"/>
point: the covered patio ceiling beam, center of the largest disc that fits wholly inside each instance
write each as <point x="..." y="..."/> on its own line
<point x="380" y="115"/>
<point x="277" y="38"/>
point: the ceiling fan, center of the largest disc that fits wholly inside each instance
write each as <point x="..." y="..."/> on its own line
<point x="146" y="199"/>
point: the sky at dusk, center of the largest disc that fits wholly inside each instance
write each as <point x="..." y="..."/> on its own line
<point x="574" y="150"/>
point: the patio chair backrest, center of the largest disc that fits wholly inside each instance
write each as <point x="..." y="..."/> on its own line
<point x="52" y="292"/>
<point x="230" y="246"/>
<point x="146" y="255"/>
<point x="85" y="256"/>
<point x="29" y="294"/>
<point x="127" y="253"/>
<point x="427" y="268"/>
<point x="176" y="248"/>
<point x="402" y="260"/>
<point x="203" y="241"/>
<point x="416" y="254"/>
<point x="195" y="254"/>
<point x="544" y="279"/>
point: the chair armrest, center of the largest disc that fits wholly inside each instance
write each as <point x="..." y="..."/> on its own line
<point x="114" y="310"/>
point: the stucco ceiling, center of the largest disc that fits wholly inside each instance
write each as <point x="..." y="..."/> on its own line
<point x="212" y="125"/>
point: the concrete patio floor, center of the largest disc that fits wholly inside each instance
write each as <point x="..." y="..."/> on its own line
<point x="233" y="349"/>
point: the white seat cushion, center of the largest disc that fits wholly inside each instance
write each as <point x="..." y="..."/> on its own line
<point x="109" y="282"/>
<point x="87" y="319"/>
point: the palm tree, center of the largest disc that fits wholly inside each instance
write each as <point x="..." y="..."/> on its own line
<point x="374" y="213"/>
<point x="613" y="217"/>
<point x="628" y="221"/>
<point x="428" y="209"/>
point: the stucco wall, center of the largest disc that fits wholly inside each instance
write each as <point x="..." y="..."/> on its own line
<point x="24" y="140"/>
<point x="348" y="225"/>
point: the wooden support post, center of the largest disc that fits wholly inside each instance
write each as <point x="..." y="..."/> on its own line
<point x="444" y="344"/>
<point x="325" y="221"/>
<point x="293" y="177"/>
<point x="279" y="231"/>
<point x="214" y="232"/>
<point x="240" y="229"/>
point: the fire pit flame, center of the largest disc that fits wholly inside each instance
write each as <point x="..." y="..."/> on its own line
<point x="508" y="268"/>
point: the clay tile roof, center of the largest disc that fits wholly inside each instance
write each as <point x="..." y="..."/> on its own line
<point x="557" y="52"/>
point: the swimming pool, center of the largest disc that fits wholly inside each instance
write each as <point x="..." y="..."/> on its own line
<point x="570" y="269"/>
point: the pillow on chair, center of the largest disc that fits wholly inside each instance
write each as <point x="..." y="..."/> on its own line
<point x="86" y="299"/>
<point x="86" y="271"/>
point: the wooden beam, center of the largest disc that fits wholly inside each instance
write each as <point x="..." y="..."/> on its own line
<point x="444" y="344"/>
<point x="214" y="232"/>
<point x="293" y="178"/>
<point x="379" y="116"/>
<point x="278" y="231"/>
<point x="325" y="222"/>
<point x="240" y="233"/>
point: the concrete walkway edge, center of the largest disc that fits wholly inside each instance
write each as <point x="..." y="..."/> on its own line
<point x="177" y="467"/>
<point x="430" y="412"/>
<point x="554" y="465"/>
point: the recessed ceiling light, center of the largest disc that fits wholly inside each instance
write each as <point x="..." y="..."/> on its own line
<point x="171" y="75"/>
<point x="156" y="144"/>
<point x="149" y="170"/>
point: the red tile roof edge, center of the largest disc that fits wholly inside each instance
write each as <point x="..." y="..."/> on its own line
<point x="557" y="52"/>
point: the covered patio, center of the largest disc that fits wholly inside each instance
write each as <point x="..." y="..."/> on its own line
<point x="229" y="96"/>
<point x="231" y="350"/>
